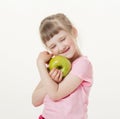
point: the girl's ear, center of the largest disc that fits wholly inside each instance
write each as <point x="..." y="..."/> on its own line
<point x="74" y="32"/>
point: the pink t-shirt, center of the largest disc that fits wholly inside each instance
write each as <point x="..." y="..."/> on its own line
<point x="74" y="106"/>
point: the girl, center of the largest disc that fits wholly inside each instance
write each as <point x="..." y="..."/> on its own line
<point x="68" y="98"/>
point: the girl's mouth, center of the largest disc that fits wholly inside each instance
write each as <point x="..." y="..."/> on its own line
<point x="66" y="50"/>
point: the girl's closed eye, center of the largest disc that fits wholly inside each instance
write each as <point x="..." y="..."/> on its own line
<point x="62" y="39"/>
<point x="53" y="46"/>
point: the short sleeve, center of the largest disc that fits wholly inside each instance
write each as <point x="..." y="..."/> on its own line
<point x="82" y="68"/>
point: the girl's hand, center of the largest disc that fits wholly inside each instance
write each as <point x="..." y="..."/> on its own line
<point x="56" y="75"/>
<point x="44" y="57"/>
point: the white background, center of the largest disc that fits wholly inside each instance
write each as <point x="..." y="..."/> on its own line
<point x="98" y="24"/>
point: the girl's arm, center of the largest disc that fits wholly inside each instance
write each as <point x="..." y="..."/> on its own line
<point x="61" y="90"/>
<point x="39" y="94"/>
<point x="54" y="90"/>
<point x="40" y="91"/>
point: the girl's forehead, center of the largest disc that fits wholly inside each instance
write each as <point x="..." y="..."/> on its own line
<point x="59" y="35"/>
<point x="56" y="37"/>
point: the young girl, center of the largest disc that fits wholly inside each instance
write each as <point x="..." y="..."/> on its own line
<point x="67" y="98"/>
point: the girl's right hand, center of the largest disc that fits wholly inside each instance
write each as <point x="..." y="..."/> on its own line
<point x="56" y="75"/>
<point x="44" y="57"/>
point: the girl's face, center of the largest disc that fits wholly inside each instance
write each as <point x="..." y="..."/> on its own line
<point x="63" y="44"/>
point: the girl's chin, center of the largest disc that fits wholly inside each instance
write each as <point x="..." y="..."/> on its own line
<point x="69" y="56"/>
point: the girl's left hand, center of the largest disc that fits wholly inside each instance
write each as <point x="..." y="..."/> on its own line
<point x="56" y="75"/>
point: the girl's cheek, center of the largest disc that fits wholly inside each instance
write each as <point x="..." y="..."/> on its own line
<point x="54" y="52"/>
<point x="69" y="42"/>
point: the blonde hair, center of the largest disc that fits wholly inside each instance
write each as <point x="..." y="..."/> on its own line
<point x="52" y="24"/>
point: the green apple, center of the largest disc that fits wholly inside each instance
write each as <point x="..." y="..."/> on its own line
<point x="61" y="63"/>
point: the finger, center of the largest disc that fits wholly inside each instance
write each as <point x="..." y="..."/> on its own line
<point x="56" y="78"/>
<point x="60" y="77"/>
<point x="54" y="73"/>
<point x="50" y="54"/>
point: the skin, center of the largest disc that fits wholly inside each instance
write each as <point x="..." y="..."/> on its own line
<point x="56" y="75"/>
<point x="51" y="83"/>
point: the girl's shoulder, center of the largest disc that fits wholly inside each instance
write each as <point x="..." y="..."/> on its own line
<point x="81" y="59"/>
<point x="82" y="62"/>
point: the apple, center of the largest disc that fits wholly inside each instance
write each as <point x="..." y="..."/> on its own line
<point x="61" y="63"/>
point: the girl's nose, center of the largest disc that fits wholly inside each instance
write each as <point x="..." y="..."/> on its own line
<point x="62" y="48"/>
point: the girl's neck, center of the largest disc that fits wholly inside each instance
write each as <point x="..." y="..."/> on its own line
<point x="76" y="55"/>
